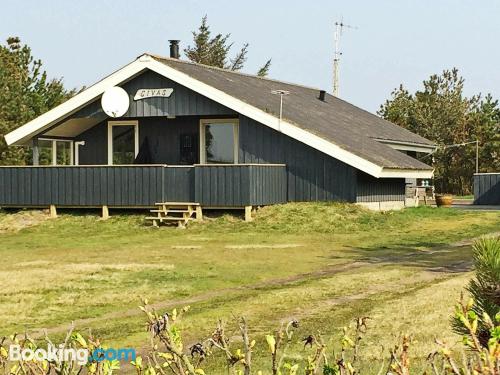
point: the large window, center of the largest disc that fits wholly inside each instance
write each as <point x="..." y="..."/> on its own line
<point x="55" y="152"/>
<point x="219" y="141"/>
<point x="123" y="142"/>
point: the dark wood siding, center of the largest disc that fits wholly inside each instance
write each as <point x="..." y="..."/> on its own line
<point x="267" y="185"/>
<point x="179" y="184"/>
<point x="95" y="150"/>
<point x="162" y="134"/>
<point x="240" y="185"/>
<point x="142" y="186"/>
<point x="371" y="189"/>
<point x="163" y="138"/>
<point x="182" y="102"/>
<point x="81" y="186"/>
<point x="223" y="186"/>
<point x="311" y="174"/>
<point x="487" y="188"/>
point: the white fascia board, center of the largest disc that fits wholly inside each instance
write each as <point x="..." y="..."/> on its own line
<point x="262" y="117"/>
<point x="406" y="173"/>
<point x="23" y="133"/>
<point x="408" y="146"/>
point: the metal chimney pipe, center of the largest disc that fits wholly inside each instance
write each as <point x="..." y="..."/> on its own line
<point x="322" y="95"/>
<point x="174" y="49"/>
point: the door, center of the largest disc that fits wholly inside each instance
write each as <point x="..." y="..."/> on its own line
<point x="188" y="149"/>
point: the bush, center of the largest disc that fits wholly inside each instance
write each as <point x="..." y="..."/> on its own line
<point x="484" y="287"/>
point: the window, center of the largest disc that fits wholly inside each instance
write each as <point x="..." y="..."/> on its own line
<point x="123" y="142"/>
<point x="63" y="153"/>
<point x="55" y="152"/>
<point x="45" y="152"/>
<point x="219" y="141"/>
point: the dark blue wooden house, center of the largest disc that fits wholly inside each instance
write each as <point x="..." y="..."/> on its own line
<point x="194" y="133"/>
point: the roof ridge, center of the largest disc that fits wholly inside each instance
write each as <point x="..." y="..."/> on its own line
<point x="158" y="57"/>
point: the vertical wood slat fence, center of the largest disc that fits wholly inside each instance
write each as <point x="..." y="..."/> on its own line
<point x="143" y="185"/>
<point x="487" y="188"/>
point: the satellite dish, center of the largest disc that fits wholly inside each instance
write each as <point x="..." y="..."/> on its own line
<point x="115" y="102"/>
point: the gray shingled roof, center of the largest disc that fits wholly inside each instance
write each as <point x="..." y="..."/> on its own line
<point x="341" y="123"/>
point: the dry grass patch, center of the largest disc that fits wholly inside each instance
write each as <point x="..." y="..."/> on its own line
<point x="23" y="219"/>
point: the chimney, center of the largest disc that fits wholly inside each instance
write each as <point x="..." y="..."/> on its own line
<point x="322" y="95"/>
<point x="174" y="49"/>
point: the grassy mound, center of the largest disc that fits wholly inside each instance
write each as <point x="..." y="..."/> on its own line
<point x="325" y="217"/>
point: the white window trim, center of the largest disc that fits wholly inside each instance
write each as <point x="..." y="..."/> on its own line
<point x="134" y="123"/>
<point x="54" y="149"/>
<point x="207" y="121"/>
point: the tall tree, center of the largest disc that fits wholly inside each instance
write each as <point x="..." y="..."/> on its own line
<point x="25" y="93"/>
<point x="214" y="51"/>
<point x="442" y="113"/>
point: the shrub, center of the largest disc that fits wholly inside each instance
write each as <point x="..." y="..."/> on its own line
<point x="484" y="287"/>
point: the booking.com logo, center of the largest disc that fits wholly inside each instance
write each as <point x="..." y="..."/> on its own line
<point x="61" y="354"/>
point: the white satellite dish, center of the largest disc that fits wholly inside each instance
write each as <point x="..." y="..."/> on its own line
<point x="115" y="102"/>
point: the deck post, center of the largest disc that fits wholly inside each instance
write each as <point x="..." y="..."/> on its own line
<point x="36" y="152"/>
<point x="248" y="213"/>
<point x="53" y="211"/>
<point x="199" y="213"/>
<point x="105" y="212"/>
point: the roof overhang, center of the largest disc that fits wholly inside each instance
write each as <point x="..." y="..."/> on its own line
<point x="22" y="134"/>
<point x="408" y="146"/>
<point x="43" y="122"/>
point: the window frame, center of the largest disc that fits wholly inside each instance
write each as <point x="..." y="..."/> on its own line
<point x="53" y="154"/>
<point x="135" y="124"/>
<point x="211" y="121"/>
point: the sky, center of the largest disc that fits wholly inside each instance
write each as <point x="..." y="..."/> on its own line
<point x="395" y="42"/>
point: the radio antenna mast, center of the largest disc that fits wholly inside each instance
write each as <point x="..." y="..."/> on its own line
<point x="339" y="27"/>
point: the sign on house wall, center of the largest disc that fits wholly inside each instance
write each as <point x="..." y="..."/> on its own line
<point x="152" y="93"/>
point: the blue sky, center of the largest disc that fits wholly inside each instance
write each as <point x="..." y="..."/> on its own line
<point x="398" y="41"/>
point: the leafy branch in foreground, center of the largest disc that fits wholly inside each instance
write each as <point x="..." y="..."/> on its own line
<point x="168" y="355"/>
<point x="317" y="359"/>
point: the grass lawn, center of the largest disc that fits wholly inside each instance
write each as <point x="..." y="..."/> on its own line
<point x="470" y="196"/>
<point x="323" y="264"/>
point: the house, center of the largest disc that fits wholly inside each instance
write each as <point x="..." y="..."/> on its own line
<point x="194" y="133"/>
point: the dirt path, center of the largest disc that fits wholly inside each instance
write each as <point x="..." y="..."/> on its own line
<point x="375" y="261"/>
<point x="202" y="297"/>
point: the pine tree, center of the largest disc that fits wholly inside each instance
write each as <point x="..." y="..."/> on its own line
<point x="25" y="93"/>
<point x="484" y="288"/>
<point x="214" y="51"/>
<point x="265" y="69"/>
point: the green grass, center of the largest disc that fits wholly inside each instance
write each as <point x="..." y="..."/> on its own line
<point x="470" y="196"/>
<point x="322" y="263"/>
